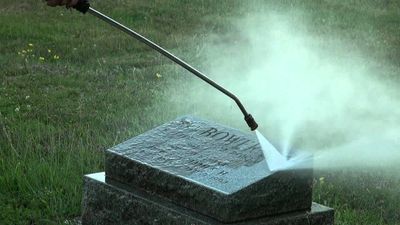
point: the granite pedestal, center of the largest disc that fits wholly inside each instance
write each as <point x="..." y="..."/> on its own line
<point x="193" y="172"/>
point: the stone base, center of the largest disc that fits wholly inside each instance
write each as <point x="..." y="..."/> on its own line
<point x="107" y="204"/>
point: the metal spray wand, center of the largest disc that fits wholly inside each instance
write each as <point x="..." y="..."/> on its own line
<point x="84" y="7"/>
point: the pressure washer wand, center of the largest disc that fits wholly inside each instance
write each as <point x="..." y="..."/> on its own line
<point x="84" y="7"/>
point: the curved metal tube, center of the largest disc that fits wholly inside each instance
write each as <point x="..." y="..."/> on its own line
<point x="249" y="119"/>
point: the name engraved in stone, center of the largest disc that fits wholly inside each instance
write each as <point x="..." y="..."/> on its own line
<point x="230" y="139"/>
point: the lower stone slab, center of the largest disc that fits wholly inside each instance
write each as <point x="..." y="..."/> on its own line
<point x="107" y="204"/>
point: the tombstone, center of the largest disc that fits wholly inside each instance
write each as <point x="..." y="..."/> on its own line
<point x="195" y="172"/>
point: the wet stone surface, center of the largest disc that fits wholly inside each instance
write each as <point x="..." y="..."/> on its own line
<point x="211" y="169"/>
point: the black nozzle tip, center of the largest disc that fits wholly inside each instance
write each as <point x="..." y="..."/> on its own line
<point x="251" y="122"/>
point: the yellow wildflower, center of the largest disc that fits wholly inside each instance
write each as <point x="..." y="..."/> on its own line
<point x="41" y="58"/>
<point x="56" y="57"/>
<point x="49" y="50"/>
<point x="30" y="45"/>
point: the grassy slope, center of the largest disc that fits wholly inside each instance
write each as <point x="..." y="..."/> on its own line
<point x="57" y="115"/>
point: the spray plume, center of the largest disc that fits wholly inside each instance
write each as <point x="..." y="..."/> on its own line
<point x="305" y="94"/>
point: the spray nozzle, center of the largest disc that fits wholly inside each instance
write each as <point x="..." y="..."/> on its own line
<point x="251" y="122"/>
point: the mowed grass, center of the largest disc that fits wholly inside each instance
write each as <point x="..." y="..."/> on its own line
<point x="71" y="87"/>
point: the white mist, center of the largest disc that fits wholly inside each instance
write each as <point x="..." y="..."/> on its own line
<point x="306" y="92"/>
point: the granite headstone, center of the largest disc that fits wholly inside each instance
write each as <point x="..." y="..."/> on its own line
<point x="193" y="171"/>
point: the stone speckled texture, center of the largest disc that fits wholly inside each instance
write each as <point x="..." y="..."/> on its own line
<point x="209" y="168"/>
<point x="105" y="204"/>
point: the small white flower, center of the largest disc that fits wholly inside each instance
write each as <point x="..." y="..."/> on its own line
<point x="17" y="109"/>
<point x="27" y="97"/>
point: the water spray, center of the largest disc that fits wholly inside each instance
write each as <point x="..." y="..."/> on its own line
<point x="84" y="7"/>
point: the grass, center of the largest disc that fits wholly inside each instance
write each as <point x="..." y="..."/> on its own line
<point x="82" y="87"/>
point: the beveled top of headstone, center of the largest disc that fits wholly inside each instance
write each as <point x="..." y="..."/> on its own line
<point x="210" y="168"/>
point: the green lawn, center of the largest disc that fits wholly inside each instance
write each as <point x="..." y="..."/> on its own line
<point x="71" y="87"/>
